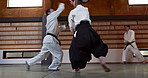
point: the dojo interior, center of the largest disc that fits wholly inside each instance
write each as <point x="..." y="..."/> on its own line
<point x="22" y="29"/>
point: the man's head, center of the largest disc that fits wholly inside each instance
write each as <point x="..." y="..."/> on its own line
<point x="76" y="2"/>
<point x="48" y="11"/>
<point x="126" y="27"/>
<point x="79" y="2"/>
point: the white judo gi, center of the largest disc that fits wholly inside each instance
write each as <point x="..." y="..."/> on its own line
<point x="50" y="43"/>
<point x="130" y="37"/>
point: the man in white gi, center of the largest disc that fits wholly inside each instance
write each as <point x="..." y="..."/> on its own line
<point x="130" y="45"/>
<point x="50" y="42"/>
<point x="85" y="40"/>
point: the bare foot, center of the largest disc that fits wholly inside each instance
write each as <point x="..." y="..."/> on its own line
<point x="144" y="62"/>
<point x="53" y="69"/>
<point x="76" y="71"/>
<point x="106" y="68"/>
<point x="28" y="66"/>
<point x="124" y="62"/>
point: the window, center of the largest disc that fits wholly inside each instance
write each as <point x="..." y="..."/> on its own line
<point x="144" y="52"/>
<point x="24" y="3"/>
<point x="20" y="54"/>
<point x="138" y="2"/>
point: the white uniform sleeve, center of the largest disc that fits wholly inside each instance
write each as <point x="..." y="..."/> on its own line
<point x="89" y="17"/>
<point x="56" y="13"/>
<point x="132" y="36"/>
<point x="125" y="38"/>
<point x="71" y="22"/>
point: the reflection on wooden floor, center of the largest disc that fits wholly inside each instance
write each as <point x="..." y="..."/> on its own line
<point x="91" y="71"/>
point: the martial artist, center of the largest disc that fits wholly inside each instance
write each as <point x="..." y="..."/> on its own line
<point x="85" y="40"/>
<point x="130" y="45"/>
<point x="50" y="42"/>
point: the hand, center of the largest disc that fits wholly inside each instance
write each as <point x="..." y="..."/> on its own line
<point x="72" y="2"/>
<point x="126" y="42"/>
<point x="62" y="27"/>
<point x="61" y="4"/>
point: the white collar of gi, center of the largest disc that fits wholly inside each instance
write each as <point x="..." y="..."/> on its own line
<point x="79" y="6"/>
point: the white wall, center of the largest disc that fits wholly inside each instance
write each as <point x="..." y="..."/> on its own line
<point x="113" y="56"/>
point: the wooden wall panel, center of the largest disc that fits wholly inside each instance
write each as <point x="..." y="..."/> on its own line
<point x="106" y="7"/>
<point x="121" y="7"/>
<point x="96" y="8"/>
<point x="28" y="35"/>
<point x="112" y="33"/>
<point x="99" y="7"/>
<point x="24" y="35"/>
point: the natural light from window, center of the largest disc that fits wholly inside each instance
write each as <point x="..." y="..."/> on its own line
<point x="24" y="3"/>
<point x="138" y="2"/>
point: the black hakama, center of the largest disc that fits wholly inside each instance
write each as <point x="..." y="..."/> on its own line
<point x="87" y="41"/>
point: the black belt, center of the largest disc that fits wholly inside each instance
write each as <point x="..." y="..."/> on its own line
<point x="54" y="37"/>
<point x="129" y="43"/>
<point x="82" y="22"/>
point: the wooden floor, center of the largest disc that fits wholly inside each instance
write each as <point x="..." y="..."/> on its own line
<point x="91" y="71"/>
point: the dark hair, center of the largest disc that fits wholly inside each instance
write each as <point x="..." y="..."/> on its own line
<point x="85" y="1"/>
<point x="126" y="25"/>
<point x="48" y="10"/>
<point x="79" y="1"/>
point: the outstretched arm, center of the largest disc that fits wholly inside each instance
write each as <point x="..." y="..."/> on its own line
<point x="61" y="7"/>
<point x="56" y="13"/>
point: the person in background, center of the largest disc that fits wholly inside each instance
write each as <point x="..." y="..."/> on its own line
<point x="130" y="45"/>
<point x="50" y="42"/>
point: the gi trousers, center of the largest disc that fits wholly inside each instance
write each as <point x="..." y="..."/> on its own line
<point x="56" y="51"/>
<point x="85" y="42"/>
<point x="134" y="50"/>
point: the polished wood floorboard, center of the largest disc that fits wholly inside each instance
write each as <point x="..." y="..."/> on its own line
<point x="91" y="71"/>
